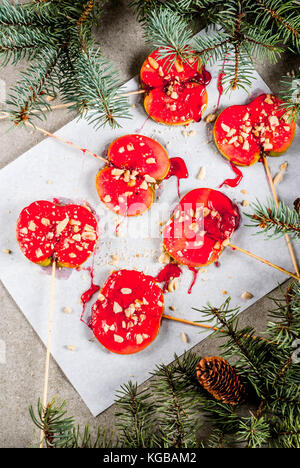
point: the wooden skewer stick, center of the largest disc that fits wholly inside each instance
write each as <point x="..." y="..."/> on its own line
<point x="287" y="237"/>
<point x="190" y="322"/>
<point x="203" y="325"/>
<point x="289" y="273"/>
<point x="74" y="145"/>
<point x="47" y="362"/>
<point x="67" y="105"/>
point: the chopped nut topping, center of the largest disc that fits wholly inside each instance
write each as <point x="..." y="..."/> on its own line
<point x="45" y="221"/>
<point x="202" y="173"/>
<point x="225" y="127"/>
<point x="71" y="347"/>
<point x="89" y="236"/>
<point x="150" y="161"/>
<point x="246" y="295"/>
<point x="72" y="255"/>
<point x="231" y="132"/>
<point x="149" y="179"/>
<point x="117" y="172"/>
<point x="184" y="337"/>
<point x="117" y="308"/>
<point x="7" y="251"/>
<point x="210" y="118"/>
<point x="139" y="338"/>
<point x="31" y="226"/>
<point x="107" y="198"/>
<point x="153" y="63"/>
<point x="268" y="99"/>
<point x="62" y="225"/>
<point x="173" y="285"/>
<point x="126" y="291"/>
<point x="38" y="253"/>
<point x="164" y="258"/>
<point x="67" y="310"/>
<point x="101" y="297"/>
<point x="246" y="145"/>
<point x="278" y="178"/>
<point x="130" y="147"/>
<point x="118" y="338"/>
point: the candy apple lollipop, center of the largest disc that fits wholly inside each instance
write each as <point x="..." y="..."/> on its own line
<point x="137" y="164"/>
<point x="201" y="222"/>
<point x="127" y="315"/>
<point x="242" y="133"/>
<point x="175" y="94"/>
<point x="200" y="227"/>
<point x="64" y="233"/>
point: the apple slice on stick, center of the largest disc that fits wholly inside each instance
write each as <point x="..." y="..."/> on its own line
<point x="200" y="228"/>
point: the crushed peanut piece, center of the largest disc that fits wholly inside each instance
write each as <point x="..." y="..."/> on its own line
<point x="246" y="295"/>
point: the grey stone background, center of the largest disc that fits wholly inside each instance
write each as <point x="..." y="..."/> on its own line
<point x="21" y="378"/>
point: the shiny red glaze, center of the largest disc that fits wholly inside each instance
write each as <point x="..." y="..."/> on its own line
<point x="132" y="153"/>
<point x="233" y="182"/>
<point x="179" y="170"/>
<point x="88" y="294"/>
<point x="187" y="79"/>
<point x="204" y="244"/>
<point x="266" y="125"/>
<point x="38" y="233"/>
<point x="128" y="331"/>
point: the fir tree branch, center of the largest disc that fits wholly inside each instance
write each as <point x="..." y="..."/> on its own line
<point x="275" y="221"/>
<point x="29" y="93"/>
<point x="170" y="33"/>
<point x="255" y="432"/>
<point x="95" y="86"/>
<point x="285" y="15"/>
<point x="135" y="417"/>
<point x="291" y="95"/>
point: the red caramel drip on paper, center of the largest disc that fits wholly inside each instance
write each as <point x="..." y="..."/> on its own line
<point x="217" y="264"/>
<point x="88" y="294"/>
<point x="220" y="87"/>
<point x="170" y="271"/>
<point x="178" y="169"/>
<point x="233" y="182"/>
<point x="195" y="272"/>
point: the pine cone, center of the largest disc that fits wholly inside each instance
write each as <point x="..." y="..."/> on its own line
<point x="220" y="379"/>
<point x="297" y="205"/>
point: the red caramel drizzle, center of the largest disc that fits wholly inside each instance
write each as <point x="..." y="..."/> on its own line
<point x="178" y="169"/>
<point x="233" y="182"/>
<point x="195" y="272"/>
<point x="88" y="294"/>
<point x="170" y="271"/>
<point x="204" y="77"/>
<point x="220" y="88"/>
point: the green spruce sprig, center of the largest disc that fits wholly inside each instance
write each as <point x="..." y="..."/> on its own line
<point x="57" y="37"/>
<point x="237" y="45"/>
<point x="290" y="94"/>
<point x="273" y="220"/>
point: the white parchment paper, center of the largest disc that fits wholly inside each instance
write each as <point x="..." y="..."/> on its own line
<point x="52" y="169"/>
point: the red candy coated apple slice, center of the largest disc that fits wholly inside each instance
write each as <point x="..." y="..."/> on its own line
<point x="242" y="132"/>
<point x="176" y="95"/>
<point x="67" y="233"/>
<point x="199" y="225"/>
<point x="126" y="317"/>
<point x="138" y="164"/>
